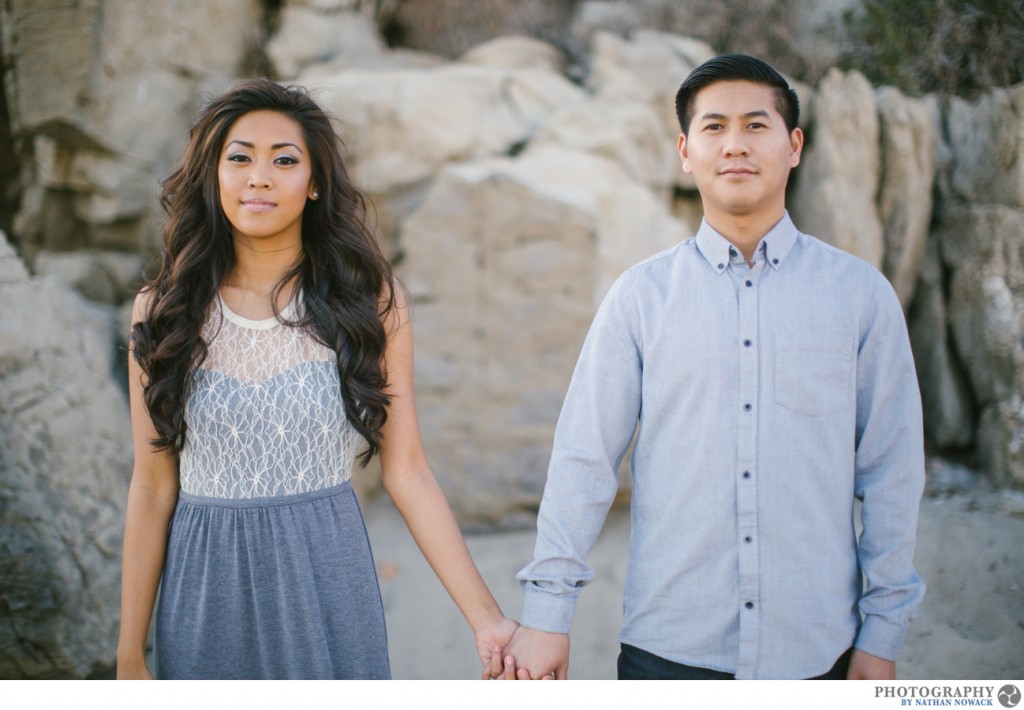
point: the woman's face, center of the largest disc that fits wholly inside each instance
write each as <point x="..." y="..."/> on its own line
<point x="265" y="178"/>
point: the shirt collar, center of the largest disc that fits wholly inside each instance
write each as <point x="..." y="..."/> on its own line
<point x="777" y="244"/>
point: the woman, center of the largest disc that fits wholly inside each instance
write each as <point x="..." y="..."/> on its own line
<point x="273" y="337"/>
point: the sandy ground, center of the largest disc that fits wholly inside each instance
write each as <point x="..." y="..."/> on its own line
<point x="971" y="624"/>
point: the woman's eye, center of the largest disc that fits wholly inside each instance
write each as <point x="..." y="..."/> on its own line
<point x="238" y="157"/>
<point x="286" y="160"/>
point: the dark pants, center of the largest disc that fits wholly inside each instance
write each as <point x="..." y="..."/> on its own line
<point x="637" y="664"/>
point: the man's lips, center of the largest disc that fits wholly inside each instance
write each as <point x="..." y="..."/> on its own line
<point x="737" y="170"/>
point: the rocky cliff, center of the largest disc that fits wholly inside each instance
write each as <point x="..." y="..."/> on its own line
<point x="511" y="183"/>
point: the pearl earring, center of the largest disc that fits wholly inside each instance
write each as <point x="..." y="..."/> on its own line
<point x="315" y="194"/>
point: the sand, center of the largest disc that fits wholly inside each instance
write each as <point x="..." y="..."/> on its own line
<point x="970" y="626"/>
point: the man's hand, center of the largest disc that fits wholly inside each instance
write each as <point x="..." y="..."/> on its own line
<point x="538" y="654"/>
<point x="864" y="666"/>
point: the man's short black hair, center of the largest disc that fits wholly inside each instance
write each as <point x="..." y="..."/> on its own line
<point x="736" y="67"/>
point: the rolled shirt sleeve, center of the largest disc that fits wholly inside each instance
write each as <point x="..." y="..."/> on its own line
<point x="593" y="433"/>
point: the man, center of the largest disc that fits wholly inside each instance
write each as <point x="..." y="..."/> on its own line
<point x="769" y="380"/>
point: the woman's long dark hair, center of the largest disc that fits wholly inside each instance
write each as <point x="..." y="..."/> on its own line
<point x="346" y="282"/>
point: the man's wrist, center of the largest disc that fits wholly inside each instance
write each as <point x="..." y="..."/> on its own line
<point x="547" y="612"/>
<point x="881" y="638"/>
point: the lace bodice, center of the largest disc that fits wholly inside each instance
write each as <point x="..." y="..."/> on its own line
<point x="265" y="416"/>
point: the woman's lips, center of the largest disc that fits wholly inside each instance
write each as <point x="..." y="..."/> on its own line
<point x="258" y="205"/>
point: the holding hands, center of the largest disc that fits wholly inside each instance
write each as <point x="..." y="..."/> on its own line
<point x="491" y="638"/>
<point x="529" y="655"/>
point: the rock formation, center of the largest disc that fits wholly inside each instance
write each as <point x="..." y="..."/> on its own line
<point x="100" y="93"/>
<point x="974" y="357"/>
<point x="506" y="261"/>
<point x="908" y="137"/>
<point x="65" y="461"/>
<point x="512" y="181"/>
<point x="836" y="186"/>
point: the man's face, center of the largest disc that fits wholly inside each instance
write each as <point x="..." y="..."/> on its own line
<point x="739" y="150"/>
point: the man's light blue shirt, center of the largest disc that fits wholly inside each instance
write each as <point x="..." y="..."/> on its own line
<point x="765" y="398"/>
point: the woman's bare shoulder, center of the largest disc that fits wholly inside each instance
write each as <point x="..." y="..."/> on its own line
<point x="143" y="301"/>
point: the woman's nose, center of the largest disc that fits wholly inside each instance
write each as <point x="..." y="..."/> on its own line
<point x="259" y="177"/>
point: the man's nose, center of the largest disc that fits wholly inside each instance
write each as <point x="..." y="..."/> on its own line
<point x="735" y="144"/>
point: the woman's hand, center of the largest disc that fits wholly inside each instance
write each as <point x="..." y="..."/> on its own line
<point x="133" y="671"/>
<point x="491" y="639"/>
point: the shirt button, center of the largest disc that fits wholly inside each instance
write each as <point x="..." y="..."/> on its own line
<point x="746" y="474"/>
<point x="747" y="343"/>
<point x="749" y="605"/>
<point x="747" y="407"/>
<point x="775" y="261"/>
<point x="749" y="284"/>
<point x="732" y="252"/>
<point x="721" y="266"/>
<point x="748" y="539"/>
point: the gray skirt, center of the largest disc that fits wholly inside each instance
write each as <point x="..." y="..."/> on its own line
<point x="270" y="588"/>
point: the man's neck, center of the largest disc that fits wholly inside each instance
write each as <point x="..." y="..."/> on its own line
<point x="744" y="231"/>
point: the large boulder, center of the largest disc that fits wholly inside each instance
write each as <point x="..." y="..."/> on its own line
<point x="949" y="415"/>
<point x="986" y="138"/>
<point x="644" y="72"/>
<point x="516" y="52"/>
<point x="983" y="248"/>
<point x="630" y="133"/>
<point x="108" y="277"/>
<point x="836" y="185"/>
<point x="980" y="226"/>
<point x="314" y="33"/>
<point x="65" y="462"/>
<point x="401" y="126"/>
<point x="506" y="261"/>
<point x="100" y="96"/>
<point x="613" y="16"/>
<point x="908" y="143"/>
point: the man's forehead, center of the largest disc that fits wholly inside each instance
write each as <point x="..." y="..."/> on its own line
<point x="735" y="98"/>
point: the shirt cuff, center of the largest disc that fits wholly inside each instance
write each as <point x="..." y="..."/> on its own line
<point x="881" y="638"/>
<point x="547" y="612"/>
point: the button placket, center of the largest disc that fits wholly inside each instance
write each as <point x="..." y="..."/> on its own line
<point x="746" y="461"/>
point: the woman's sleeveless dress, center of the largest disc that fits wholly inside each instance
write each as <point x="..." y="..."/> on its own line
<point x="268" y="571"/>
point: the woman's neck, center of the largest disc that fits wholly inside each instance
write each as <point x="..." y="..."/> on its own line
<point x="250" y="284"/>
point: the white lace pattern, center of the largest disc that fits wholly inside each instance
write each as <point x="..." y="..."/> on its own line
<point x="265" y="416"/>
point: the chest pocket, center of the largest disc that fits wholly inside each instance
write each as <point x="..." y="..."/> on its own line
<point x="813" y="371"/>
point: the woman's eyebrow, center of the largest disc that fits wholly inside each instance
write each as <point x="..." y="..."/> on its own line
<point x="276" y="146"/>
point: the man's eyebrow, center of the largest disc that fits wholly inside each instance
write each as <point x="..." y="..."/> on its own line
<point x="760" y="113"/>
<point x="276" y="146"/>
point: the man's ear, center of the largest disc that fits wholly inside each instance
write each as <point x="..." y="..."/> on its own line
<point x="681" y="147"/>
<point x="796" y="145"/>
